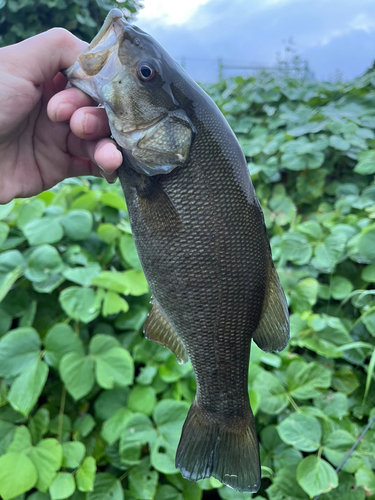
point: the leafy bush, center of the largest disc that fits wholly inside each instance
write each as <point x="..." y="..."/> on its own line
<point x="20" y="19"/>
<point x="89" y="409"/>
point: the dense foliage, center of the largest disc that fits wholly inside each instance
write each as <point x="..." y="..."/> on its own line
<point x="20" y="19"/>
<point x="89" y="409"/>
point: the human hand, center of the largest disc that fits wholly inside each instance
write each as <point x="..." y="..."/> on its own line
<point x="46" y="133"/>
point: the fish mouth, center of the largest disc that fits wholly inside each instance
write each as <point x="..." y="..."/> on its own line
<point x="100" y="59"/>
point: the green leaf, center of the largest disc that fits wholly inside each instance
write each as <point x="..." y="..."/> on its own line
<point x="339" y="143"/>
<point x="31" y="210"/>
<point x="112" y="199"/>
<point x="336" y="447"/>
<point x="135" y="283"/>
<point x="163" y="456"/>
<point x="49" y="285"/>
<point x="60" y="340"/>
<point x="86" y="475"/>
<point x="129" y="252"/>
<point x="316" y="476"/>
<point x="46" y="457"/>
<point x="365" y="478"/>
<point x="169" y="417"/>
<point x="344" y="380"/>
<point x="305" y="379"/>
<point x="305" y="295"/>
<point x="108" y="402"/>
<point x="113" y="304"/>
<point x="7" y="281"/>
<point x="46" y="230"/>
<point x="63" y="486"/>
<point x="366" y="163"/>
<point x="83" y="426"/>
<point x="334" y="405"/>
<point x="366" y="243"/>
<point x="77" y="224"/>
<point x="106" y="487"/>
<point x="6" y="209"/>
<point x="227" y="493"/>
<point x="114" y="426"/>
<point x="111" y="280"/>
<point x="273" y="396"/>
<point x="12" y="483"/>
<point x="21" y="440"/>
<point x="108" y="233"/>
<point x="38" y="424"/>
<point x="171" y="371"/>
<point x="371" y="370"/>
<point x="168" y="492"/>
<point x="301" y="431"/>
<point x="43" y="262"/>
<point x="340" y="287"/>
<point x="77" y="373"/>
<point x="114" y="365"/>
<point x="128" y="283"/>
<point x="27" y="388"/>
<point x="11" y="260"/>
<point x="73" y="454"/>
<point x="142" y="399"/>
<point x="138" y="429"/>
<point x="83" y="275"/>
<point x="79" y="303"/>
<point x="368" y="273"/>
<point x="143" y="482"/>
<point x="19" y="349"/>
<point x="4" y="231"/>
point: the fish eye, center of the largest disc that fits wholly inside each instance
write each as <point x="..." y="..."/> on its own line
<point x="146" y="72"/>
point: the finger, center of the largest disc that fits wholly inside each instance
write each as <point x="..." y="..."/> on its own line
<point x="61" y="106"/>
<point x="42" y="56"/>
<point x="90" y="123"/>
<point x="83" y="166"/>
<point x="104" y="152"/>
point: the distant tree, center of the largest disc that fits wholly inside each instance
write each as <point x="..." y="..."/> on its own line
<point x="20" y="19"/>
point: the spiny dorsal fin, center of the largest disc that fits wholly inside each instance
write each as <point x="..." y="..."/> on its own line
<point x="158" y="329"/>
<point x="272" y="333"/>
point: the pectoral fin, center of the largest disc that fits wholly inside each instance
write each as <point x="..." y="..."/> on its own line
<point x="166" y="145"/>
<point x="272" y="333"/>
<point x="157" y="209"/>
<point x="158" y="329"/>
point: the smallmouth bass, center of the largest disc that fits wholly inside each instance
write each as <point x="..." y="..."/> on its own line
<point x="200" y="235"/>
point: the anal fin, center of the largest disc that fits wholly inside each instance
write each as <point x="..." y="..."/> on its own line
<point x="158" y="329"/>
<point x="272" y="333"/>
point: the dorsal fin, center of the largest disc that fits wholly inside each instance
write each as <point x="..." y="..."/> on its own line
<point x="158" y="329"/>
<point x="272" y="333"/>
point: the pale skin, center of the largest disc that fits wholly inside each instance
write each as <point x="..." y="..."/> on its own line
<point x="48" y="133"/>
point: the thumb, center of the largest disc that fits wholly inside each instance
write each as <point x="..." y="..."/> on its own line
<point x="39" y="58"/>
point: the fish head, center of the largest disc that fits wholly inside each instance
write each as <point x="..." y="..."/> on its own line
<point x="130" y="74"/>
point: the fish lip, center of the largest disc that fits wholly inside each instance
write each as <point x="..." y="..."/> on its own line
<point x="114" y="20"/>
<point x="102" y="42"/>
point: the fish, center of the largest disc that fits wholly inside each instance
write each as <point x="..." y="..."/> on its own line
<point x="201" y="238"/>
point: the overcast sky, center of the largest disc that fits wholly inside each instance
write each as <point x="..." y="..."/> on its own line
<point x="332" y="35"/>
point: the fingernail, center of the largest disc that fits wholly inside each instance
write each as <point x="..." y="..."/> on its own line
<point x="111" y="178"/>
<point x="64" y="111"/>
<point x="101" y="168"/>
<point x="91" y="124"/>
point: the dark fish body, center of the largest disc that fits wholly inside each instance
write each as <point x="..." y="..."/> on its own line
<point x="200" y="235"/>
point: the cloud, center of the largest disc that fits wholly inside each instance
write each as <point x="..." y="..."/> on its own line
<point x="329" y="33"/>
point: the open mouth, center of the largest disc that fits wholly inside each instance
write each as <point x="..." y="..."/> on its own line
<point x="96" y="56"/>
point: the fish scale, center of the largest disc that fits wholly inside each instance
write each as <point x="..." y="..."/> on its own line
<point x="199" y="231"/>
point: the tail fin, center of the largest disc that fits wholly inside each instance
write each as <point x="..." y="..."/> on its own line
<point x="230" y="453"/>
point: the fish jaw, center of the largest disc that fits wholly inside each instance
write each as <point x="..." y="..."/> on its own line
<point x="99" y="64"/>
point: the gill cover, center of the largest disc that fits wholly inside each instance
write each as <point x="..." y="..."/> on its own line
<point x="131" y="75"/>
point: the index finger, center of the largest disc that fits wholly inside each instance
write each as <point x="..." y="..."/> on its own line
<point x="39" y="58"/>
